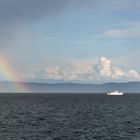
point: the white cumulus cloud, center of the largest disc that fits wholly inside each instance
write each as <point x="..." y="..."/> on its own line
<point x="102" y="71"/>
<point x="103" y="67"/>
<point x="133" y="74"/>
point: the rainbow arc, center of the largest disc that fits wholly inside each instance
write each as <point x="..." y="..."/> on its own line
<point x="9" y="74"/>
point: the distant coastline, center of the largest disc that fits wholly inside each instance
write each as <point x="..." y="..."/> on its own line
<point x="129" y="87"/>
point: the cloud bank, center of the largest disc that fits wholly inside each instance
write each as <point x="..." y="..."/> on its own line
<point x="102" y="71"/>
<point x="30" y="10"/>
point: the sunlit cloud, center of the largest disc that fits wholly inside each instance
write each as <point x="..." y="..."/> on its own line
<point x="103" y="70"/>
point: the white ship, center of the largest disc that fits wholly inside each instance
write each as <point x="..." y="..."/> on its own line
<point x="115" y="93"/>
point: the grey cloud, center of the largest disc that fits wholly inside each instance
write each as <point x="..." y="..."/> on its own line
<point x="28" y="10"/>
<point x="16" y="10"/>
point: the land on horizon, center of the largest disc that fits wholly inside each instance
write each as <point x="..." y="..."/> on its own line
<point x="34" y="87"/>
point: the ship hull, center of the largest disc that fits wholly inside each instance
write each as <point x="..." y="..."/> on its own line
<point x="116" y="93"/>
<point x="111" y="94"/>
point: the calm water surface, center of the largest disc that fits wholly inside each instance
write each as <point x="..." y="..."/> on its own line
<point x="69" y="117"/>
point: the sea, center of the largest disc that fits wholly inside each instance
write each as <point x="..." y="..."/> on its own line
<point x="69" y="117"/>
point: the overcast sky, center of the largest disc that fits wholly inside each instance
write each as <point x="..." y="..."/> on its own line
<point x="71" y="40"/>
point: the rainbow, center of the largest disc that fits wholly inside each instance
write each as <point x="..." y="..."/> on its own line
<point x="8" y="73"/>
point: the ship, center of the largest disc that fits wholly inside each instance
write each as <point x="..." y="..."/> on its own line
<point x="115" y="93"/>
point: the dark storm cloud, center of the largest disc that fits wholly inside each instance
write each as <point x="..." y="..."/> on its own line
<point x="14" y="13"/>
<point x="16" y="10"/>
<point x="28" y="10"/>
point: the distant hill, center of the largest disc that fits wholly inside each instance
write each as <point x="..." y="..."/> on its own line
<point x="130" y="87"/>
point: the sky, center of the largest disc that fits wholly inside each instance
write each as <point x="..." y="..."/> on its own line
<point x="70" y="40"/>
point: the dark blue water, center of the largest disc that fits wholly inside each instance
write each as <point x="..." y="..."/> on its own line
<point x="69" y="117"/>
